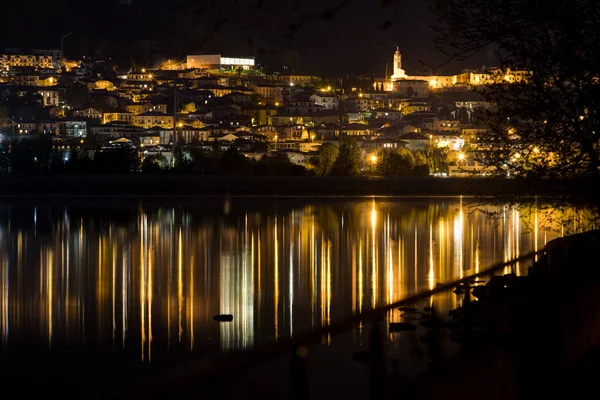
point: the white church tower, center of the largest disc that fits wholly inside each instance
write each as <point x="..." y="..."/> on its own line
<point x="399" y="73"/>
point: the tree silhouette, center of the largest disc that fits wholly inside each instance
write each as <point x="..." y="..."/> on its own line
<point x="326" y="159"/>
<point x="546" y="125"/>
<point x="350" y="159"/>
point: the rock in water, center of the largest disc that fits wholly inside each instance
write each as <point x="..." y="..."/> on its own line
<point x="223" y="318"/>
<point x="402" y="326"/>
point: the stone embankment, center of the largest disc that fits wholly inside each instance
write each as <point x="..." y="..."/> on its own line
<point x="542" y="332"/>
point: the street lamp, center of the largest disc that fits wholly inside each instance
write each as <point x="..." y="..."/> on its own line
<point x="373" y="162"/>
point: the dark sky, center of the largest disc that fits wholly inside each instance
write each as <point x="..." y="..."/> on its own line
<point x="314" y="36"/>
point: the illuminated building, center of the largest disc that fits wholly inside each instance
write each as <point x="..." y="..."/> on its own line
<point x="399" y="73"/>
<point x="326" y="100"/>
<point x="216" y="61"/>
<point x="400" y="79"/>
<point x="26" y="60"/>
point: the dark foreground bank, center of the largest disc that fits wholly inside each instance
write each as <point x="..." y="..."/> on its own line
<point x="190" y="185"/>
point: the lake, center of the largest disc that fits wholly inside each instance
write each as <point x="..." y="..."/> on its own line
<point x="101" y="289"/>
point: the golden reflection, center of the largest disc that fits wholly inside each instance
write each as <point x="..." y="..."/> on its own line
<point x="312" y="271"/>
<point x="117" y="280"/>
<point x="179" y="283"/>
<point x="149" y="298"/>
<point x="49" y="285"/>
<point x="124" y="296"/>
<point x="458" y="242"/>
<point x="354" y="278"/>
<point x="431" y="277"/>
<point x="258" y="277"/>
<point x="142" y="289"/>
<point x="291" y="288"/>
<point x="4" y="303"/>
<point x="323" y="279"/>
<point x="360" y="277"/>
<point x="191" y="302"/>
<point x="328" y="288"/>
<point x="416" y="264"/>
<point x="389" y="267"/>
<point x="374" y="272"/>
<point x="276" y="281"/>
<point x="535" y="232"/>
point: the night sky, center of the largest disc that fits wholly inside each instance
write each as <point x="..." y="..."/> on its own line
<point x="314" y="36"/>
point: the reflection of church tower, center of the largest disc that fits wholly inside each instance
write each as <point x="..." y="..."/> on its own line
<point x="398" y="71"/>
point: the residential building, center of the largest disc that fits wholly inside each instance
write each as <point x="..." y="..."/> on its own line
<point x="415" y="141"/>
<point x="122" y="116"/>
<point x="89" y="113"/>
<point x="309" y="119"/>
<point x="326" y="100"/>
<point x="51" y="97"/>
<point x="140" y="108"/>
<point x="361" y="103"/>
<point x="387" y="113"/>
<point x="415" y="106"/>
<point x="435" y="124"/>
<point x="269" y="92"/>
<point x="411" y="88"/>
<point x="153" y="118"/>
<point x="26" y="60"/>
<point x="446" y="139"/>
<point x="139" y="76"/>
<point x="296" y="79"/>
<point x="74" y="128"/>
<point x="260" y="115"/>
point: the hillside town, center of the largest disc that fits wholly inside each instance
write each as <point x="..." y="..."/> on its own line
<point x="182" y="111"/>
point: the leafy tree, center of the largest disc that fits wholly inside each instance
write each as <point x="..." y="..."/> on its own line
<point x="30" y="154"/>
<point x="80" y="161"/>
<point x="181" y="162"/>
<point x="437" y="160"/>
<point x="117" y="161"/>
<point x="155" y="163"/>
<point x="235" y="163"/>
<point x="326" y="159"/>
<point x="451" y="157"/>
<point x="421" y="164"/>
<point x="350" y="159"/>
<point x="420" y="158"/>
<point x="546" y="125"/>
<point x="395" y="162"/>
<point x="278" y="164"/>
<point x="407" y="157"/>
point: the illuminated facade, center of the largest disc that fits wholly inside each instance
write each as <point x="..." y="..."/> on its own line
<point x="464" y="79"/>
<point x="399" y="73"/>
<point x="216" y="61"/>
<point x="26" y="60"/>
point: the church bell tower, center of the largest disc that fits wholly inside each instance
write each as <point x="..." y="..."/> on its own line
<point x="399" y="73"/>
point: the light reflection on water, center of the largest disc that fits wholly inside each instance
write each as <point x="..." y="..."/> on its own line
<point x="151" y="278"/>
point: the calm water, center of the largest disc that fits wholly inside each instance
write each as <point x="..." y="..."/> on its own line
<point x="129" y="286"/>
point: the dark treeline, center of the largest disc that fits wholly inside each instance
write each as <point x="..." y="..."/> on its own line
<point x="42" y="154"/>
<point x="39" y="155"/>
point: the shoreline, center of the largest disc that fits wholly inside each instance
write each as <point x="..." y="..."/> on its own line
<point x="189" y="186"/>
